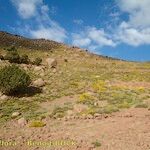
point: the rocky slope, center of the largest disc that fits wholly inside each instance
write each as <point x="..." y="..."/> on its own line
<point x="7" y="39"/>
<point x="99" y="102"/>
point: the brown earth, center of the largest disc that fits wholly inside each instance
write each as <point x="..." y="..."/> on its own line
<point x="125" y="130"/>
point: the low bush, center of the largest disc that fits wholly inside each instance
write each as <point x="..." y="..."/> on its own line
<point x="13" y="80"/>
<point x="12" y="57"/>
<point x="11" y="49"/>
<point x="37" y="61"/>
<point x="96" y="144"/>
<point x="37" y="124"/>
<point x="24" y="59"/>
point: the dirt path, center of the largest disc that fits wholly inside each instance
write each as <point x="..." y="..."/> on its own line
<point x="125" y="130"/>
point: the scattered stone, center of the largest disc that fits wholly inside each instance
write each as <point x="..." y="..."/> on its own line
<point x="65" y="119"/>
<point x="15" y="114"/>
<point x="78" y="108"/>
<point x="24" y="66"/>
<point x="38" y="68"/>
<point x="51" y="62"/>
<point x="70" y="113"/>
<point x="97" y="115"/>
<point x="22" y="121"/>
<point x="39" y="82"/>
<point x="4" y="97"/>
<point x="42" y="74"/>
<point x="54" y="70"/>
<point x="95" y="104"/>
<point x="106" y="116"/>
<point x="89" y="116"/>
<point x="59" y="119"/>
<point x="128" y="115"/>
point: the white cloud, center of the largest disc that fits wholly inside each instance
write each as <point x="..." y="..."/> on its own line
<point x="27" y="8"/>
<point x="100" y="37"/>
<point x="80" y="40"/>
<point x="55" y="33"/>
<point x="138" y="10"/>
<point x="135" y="31"/>
<point x="133" y="36"/>
<point x="44" y="27"/>
<point x="92" y="38"/>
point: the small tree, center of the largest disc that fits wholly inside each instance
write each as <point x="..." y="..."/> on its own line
<point x="13" y="80"/>
<point x="24" y="59"/>
<point x="37" y="61"/>
<point x="12" y="57"/>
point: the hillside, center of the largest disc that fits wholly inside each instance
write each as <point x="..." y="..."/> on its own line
<point x="99" y="102"/>
<point x="7" y="39"/>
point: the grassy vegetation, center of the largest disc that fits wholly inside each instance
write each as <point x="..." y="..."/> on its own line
<point x="91" y="77"/>
<point x="96" y="144"/>
<point x="37" y="124"/>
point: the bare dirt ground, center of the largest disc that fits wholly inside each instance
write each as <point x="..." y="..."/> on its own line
<point x="125" y="130"/>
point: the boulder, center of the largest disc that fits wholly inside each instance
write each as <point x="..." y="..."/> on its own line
<point x="39" y="82"/>
<point x="4" y="97"/>
<point x="38" y="68"/>
<point x="70" y="113"/>
<point x="22" y="121"/>
<point x="15" y="114"/>
<point x="51" y="62"/>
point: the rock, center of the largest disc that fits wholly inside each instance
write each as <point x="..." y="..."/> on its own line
<point x="95" y="104"/>
<point x="70" y="113"/>
<point x="22" y="121"/>
<point x="24" y="66"/>
<point x="4" y="97"/>
<point x="42" y="74"/>
<point x="80" y="108"/>
<point x="15" y="114"/>
<point x="54" y="71"/>
<point x="51" y="62"/>
<point x="38" y="68"/>
<point x="128" y="115"/>
<point x="84" y="116"/>
<point x="39" y="82"/>
<point x="97" y="115"/>
<point x="89" y="116"/>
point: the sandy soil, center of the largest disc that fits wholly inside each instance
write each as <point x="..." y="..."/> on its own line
<point x="125" y="130"/>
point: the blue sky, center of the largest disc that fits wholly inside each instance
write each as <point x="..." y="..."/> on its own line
<point x="116" y="28"/>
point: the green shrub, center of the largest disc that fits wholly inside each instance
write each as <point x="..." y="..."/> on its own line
<point x="141" y="105"/>
<point x="37" y="124"/>
<point x="37" y="61"/>
<point x="12" y="57"/>
<point x="11" y="49"/>
<point x="24" y="59"/>
<point x="96" y="144"/>
<point x="86" y="98"/>
<point x="13" y="80"/>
